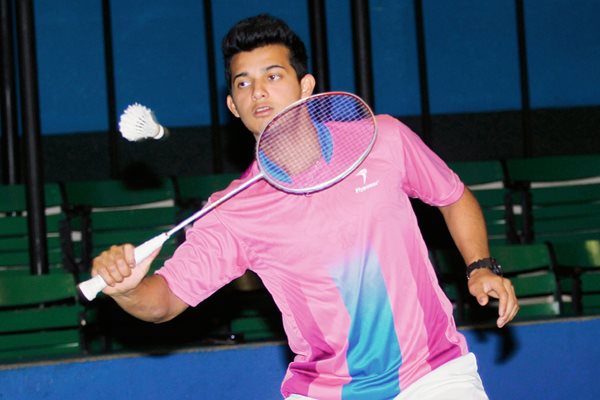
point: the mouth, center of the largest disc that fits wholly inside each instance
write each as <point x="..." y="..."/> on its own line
<point x="263" y="111"/>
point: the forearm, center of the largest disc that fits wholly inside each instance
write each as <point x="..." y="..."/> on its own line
<point x="466" y="224"/>
<point x="151" y="300"/>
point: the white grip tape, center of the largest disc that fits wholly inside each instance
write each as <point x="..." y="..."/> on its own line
<point x="93" y="286"/>
<point x="145" y="249"/>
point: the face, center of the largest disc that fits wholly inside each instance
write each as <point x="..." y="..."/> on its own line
<point x="263" y="83"/>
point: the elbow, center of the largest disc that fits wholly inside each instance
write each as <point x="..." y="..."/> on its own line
<point x="163" y="317"/>
<point x="159" y="316"/>
<point x="156" y="314"/>
<point x="162" y="312"/>
<point x="154" y="301"/>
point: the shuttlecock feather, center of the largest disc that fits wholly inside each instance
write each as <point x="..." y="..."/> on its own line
<point x="139" y="122"/>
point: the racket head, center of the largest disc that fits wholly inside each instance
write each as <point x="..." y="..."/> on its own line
<point x="315" y="142"/>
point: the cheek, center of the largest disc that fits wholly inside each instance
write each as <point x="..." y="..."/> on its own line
<point x="289" y="92"/>
<point x="240" y="108"/>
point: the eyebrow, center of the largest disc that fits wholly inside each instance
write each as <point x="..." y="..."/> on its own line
<point x="270" y="67"/>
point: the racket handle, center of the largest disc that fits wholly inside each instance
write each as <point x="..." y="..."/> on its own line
<point x="95" y="285"/>
<point x="145" y="249"/>
<point x="92" y="287"/>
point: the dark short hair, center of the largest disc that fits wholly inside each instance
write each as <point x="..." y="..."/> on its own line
<point x="263" y="30"/>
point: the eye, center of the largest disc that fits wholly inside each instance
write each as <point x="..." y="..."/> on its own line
<point x="243" y="84"/>
<point x="274" y="77"/>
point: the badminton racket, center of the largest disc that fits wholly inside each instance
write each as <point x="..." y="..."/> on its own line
<point x="309" y="146"/>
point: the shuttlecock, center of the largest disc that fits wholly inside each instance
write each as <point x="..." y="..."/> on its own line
<point x="139" y="122"/>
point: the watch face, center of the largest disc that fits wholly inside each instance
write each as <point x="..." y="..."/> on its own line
<point x="495" y="267"/>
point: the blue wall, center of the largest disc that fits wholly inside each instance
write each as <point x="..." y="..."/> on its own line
<point x="471" y="49"/>
<point x="548" y="361"/>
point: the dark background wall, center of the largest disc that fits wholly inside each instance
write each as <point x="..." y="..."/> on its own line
<point x="473" y="73"/>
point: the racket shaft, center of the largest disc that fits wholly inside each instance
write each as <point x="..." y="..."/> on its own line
<point x="95" y="285"/>
<point x="211" y="206"/>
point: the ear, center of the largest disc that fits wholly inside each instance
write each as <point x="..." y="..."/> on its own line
<point x="231" y="106"/>
<point x="307" y="85"/>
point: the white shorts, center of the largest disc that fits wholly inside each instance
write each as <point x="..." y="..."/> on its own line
<point x="456" y="380"/>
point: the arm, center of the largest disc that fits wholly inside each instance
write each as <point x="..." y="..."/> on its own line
<point x="145" y="297"/>
<point x="467" y="227"/>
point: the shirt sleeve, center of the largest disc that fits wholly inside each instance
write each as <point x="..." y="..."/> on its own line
<point x="424" y="174"/>
<point x="209" y="258"/>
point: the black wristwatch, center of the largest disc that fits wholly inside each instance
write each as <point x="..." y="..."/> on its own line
<point x="489" y="263"/>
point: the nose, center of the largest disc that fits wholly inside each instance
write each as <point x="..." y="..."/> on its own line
<point x="259" y="91"/>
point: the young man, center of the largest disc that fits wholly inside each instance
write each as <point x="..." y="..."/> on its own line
<point x="348" y="269"/>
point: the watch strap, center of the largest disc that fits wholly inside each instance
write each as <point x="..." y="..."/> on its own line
<point x="489" y="263"/>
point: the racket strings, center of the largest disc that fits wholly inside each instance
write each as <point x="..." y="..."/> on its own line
<point x="316" y="142"/>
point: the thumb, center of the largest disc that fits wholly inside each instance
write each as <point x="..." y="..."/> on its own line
<point x="480" y="293"/>
<point x="483" y="299"/>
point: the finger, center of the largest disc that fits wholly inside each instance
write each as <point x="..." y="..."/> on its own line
<point x="129" y="254"/>
<point x="511" y="305"/>
<point x="481" y="296"/>
<point x="512" y="314"/>
<point x="113" y="270"/>
<point x="503" y="298"/>
<point x="101" y="267"/>
<point x="111" y="265"/>
<point x="483" y="299"/>
<point x="515" y="311"/>
<point x="125" y="260"/>
<point x="123" y="268"/>
<point x="479" y="293"/>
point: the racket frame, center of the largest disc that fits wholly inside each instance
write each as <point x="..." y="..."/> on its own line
<point x="339" y="177"/>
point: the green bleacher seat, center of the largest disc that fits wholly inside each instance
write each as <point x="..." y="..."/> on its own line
<point x="578" y="263"/>
<point x="40" y="317"/>
<point x="560" y="196"/>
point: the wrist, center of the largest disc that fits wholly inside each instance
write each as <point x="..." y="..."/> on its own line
<point x="489" y="263"/>
<point x="124" y="295"/>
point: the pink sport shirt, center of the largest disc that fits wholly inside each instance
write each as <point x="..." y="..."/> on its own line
<point x="347" y="267"/>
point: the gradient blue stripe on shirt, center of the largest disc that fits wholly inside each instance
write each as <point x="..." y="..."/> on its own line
<point x="373" y="356"/>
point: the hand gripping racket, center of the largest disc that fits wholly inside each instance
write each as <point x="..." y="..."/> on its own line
<point x="309" y="146"/>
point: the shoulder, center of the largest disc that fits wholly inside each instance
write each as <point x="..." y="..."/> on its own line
<point x="394" y="137"/>
<point x="388" y="126"/>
